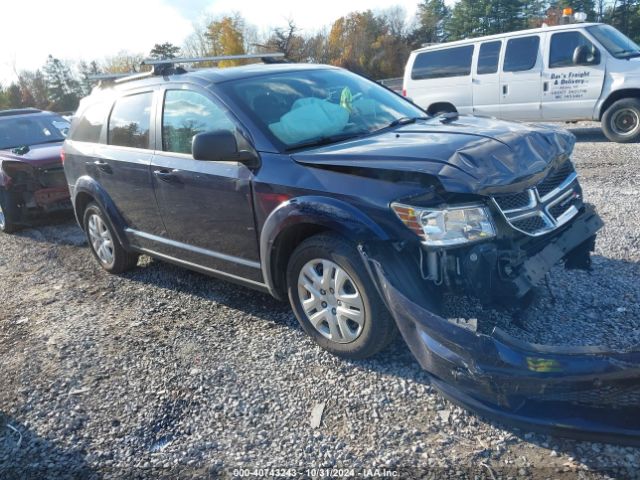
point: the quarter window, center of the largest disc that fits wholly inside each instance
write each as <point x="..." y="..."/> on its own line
<point x="130" y="120"/>
<point x="187" y="114"/>
<point x="521" y="54"/>
<point x="488" y="57"/>
<point x="89" y="126"/>
<point x="563" y="46"/>
<point x="450" y="62"/>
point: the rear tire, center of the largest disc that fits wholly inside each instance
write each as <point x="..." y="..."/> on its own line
<point x="621" y="121"/>
<point x="104" y="243"/>
<point x="8" y="212"/>
<point x="345" y="315"/>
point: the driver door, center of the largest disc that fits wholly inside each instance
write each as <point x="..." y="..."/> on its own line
<point x="206" y="206"/>
<point x="569" y="90"/>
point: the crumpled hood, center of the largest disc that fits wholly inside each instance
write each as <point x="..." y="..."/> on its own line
<point x="467" y="155"/>
<point x="37" y="156"/>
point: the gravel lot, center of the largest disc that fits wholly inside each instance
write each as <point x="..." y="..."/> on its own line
<point x="166" y="373"/>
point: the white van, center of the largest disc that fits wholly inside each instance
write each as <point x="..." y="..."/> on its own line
<point x="586" y="71"/>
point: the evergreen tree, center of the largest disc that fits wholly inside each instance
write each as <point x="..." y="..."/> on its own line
<point x="161" y="51"/>
<point x="432" y="19"/>
<point x="62" y="88"/>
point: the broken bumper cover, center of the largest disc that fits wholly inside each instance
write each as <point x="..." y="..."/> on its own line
<point x="580" y="392"/>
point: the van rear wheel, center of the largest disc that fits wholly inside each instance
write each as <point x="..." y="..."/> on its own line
<point x="621" y="121"/>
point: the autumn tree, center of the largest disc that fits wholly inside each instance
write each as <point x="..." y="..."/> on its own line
<point x="124" y="62"/>
<point x="226" y="38"/>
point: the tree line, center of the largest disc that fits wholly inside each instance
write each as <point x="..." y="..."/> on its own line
<point x="372" y="43"/>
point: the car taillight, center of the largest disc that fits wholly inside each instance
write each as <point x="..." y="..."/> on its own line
<point x="62" y="156"/>
<point x="404" y="92"/>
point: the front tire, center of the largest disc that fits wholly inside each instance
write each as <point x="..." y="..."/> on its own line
<point x="8" y="212"/>
<point x="335" y="300"/>
<point x="104" y="243"/>
<point x="621" y="121"/>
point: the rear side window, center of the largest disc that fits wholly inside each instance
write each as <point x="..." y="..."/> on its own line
<point x="187" y="114"/>
<point x="564" y="44"/>
<point x="451" y="62"/>
<point x="488" y="57"/>
<point x="521" y="54"/>
<point x="89" y="126"/>
<point x="130" y="120"/>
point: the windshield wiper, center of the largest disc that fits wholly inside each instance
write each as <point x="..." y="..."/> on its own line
<point x="327" y="140"/>
<point x="630" y="55"/>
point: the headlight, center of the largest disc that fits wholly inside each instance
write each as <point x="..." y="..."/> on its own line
<point x="446" y="227"/>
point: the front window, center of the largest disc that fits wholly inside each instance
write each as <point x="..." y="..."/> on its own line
<point x="31" y="130"/>
<point x="297" y="108"/>
<point x="616" y="43"/>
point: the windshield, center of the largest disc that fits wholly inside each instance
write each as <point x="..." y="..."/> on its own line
<point x="31" y="130"/>
<point x="297" y="108"/>
<point x="616" y="43"/>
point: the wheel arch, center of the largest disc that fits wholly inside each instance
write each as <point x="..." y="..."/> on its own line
<point x="87" y="190"/>
<point x="298" y="219"/>
<point x="440" y="107"/>
<point x="618" y="95"/>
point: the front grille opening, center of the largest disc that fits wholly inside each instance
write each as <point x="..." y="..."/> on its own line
<point x="530" y="224"/>
<point x="513" y="201"/>
<point x="555" y="179"/>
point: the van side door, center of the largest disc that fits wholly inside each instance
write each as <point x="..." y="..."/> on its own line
<point x="573" y="78"/>
<point x="486" y="79"/>
<point x="206" y="206"/>
<point x="520" y="79"/>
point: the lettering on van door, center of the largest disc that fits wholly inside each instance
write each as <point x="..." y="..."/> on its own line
<point x="570" y="85"/>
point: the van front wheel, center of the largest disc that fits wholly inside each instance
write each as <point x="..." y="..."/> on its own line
<point x="621" y="121"/>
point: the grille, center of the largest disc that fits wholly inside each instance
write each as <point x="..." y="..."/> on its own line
<point x="536" y="211"/>
<point x="510" y="202"/>
<point x="555" y="179"/>
<point x="530" y="224"/>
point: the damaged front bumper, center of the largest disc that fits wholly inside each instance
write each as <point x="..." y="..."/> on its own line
<point x="582" y="392"/>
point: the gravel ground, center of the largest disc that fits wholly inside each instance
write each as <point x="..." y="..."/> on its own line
<point x="163" y="372"/>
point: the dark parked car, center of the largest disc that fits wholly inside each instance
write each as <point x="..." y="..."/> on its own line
<point x="317" y="185"/>
<point x="32" y="180"/>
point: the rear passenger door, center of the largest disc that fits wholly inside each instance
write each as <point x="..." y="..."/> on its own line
<point x="570" y="89"/>
<point x="520" y="79"/>
<point x="486" y="80"/>
<point x="207" y="206"/>
<point x="120" y="164"/>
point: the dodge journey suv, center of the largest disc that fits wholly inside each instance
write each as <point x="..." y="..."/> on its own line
<point x="321" y="187"/>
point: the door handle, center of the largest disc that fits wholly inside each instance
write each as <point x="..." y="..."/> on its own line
<point x="101" y="165"/>
<point x="545" y="86"/>
<point x="505" y="89"/>
<point x="166" y="175"/>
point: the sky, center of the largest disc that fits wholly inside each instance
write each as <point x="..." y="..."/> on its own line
<point x="91" y="29"/>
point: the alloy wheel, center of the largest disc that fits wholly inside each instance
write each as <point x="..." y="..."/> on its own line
<point x="331" y="301"/>
<point x="101" y="240"/>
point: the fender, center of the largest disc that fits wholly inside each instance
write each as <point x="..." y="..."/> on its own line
<point x="329" y="213"/>
<point x="86" y="184"/>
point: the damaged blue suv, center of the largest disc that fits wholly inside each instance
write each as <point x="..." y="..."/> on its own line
<point x="321" y="187"/>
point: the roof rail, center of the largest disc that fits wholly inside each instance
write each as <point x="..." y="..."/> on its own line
<point x="18" y="111"/>
<point x="266" y="57"/>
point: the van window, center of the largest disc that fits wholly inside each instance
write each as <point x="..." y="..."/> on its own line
<point x="187" y="114"/>
<point x="130" y="120"/>
<point x="88" y="127"/>
<point x="451" y="62"/>
<point x="563" y="45"/>
<point x="521" y="54"/>
<point x="489" y="57"/>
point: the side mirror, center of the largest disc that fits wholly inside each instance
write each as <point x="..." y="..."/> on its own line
<point x="584" y="55"/>
<point x="221" y="146"/>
